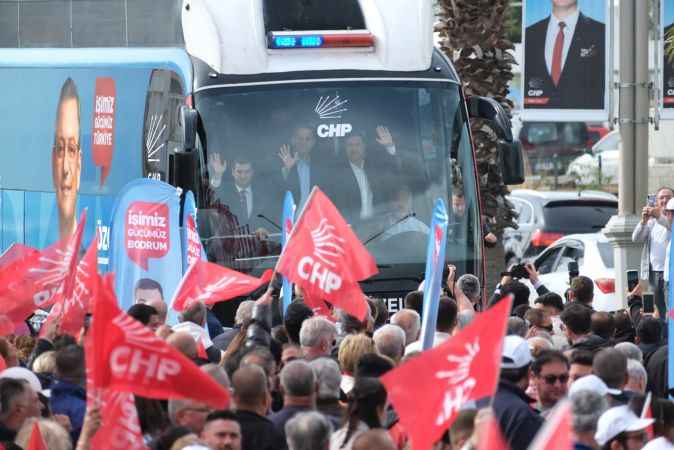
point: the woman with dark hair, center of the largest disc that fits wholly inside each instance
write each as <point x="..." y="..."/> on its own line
<point x="366" y="411"/>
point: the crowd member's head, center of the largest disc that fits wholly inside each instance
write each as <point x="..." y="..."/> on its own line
<point x="373" y="365"/>
<point x="519" y="291"/>
<point x="195" y="313"/>
<point x="351" y="325"/>
<point x="8" y="352"/>
<point x="289" y="353"/>
<point x="462" y="428"/>
<point x="351" y="349"/>
<point x="580" y="364"/>
<point x="303" y="141"/>
<point x="54" y="435"/>
<point x="298" y="384"/>
<point x="145" y="314"/>
<point x="636" y="377"/>
<point x="67" y="156"/>
<point x="18" y="402"/>
<point x="551" y="375"/>
<point x="45" y="363"/>
<point x="379" y="311"/>
<point x="218" y="373"/>
<point x="244" y="312"/>
<point x="70" y="364"/>
<point x="250" y="389"/>
<point x="577" y="320"/>
<point x="296" y="314"/>
<point x="242" y="173"/>
<point x="389" y="340"/>
<point x="619" y="428"/>
<point x="373" y="440"/>
<point x="603" y="324"/>
<point x="184" y="343"/>
<point x="222" y="431"/>
<point x="469" y="284"/>
<point x="582" y="290"/>
<point x="410" y="321"/>
<point x="414" y="300"/>
<point x="516" y="361"/>
<point x="328" y="378"/>
<point x="624" y="328"/>
<point x="150" y="292"/>
<point x="611" y="366"/>
<point x="663" y="196"/>
<point x="308" y="431"/>
<point x="447" y="313"/>
<point x="24" y="347"/>
<point x="663" y="412"/>
<point x="649" y="331"/>
<point x="317" y="337"/>
<point x="630" y="350"/>
<point x="261" y="356"/>
<point x="587" y="407"/>
<point x="538" y="345"/>
<point x="539" y="321"/>
<point x="367" y="403"/>
<point x="551" y="302"/>
<point x="517" y="327"/>
<point x="188" y="414"/>
<point x="520" y="311"/>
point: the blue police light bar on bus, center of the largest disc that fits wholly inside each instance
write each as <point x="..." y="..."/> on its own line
<point x="284" y="40"/>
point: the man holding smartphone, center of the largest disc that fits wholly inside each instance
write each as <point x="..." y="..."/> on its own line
<point x="654" y="231"/>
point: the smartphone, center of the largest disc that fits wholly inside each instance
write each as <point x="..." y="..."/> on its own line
<point x="649" y="304"/>
<point x="573" y="269"/>
<point x="632" y="279"/>
<point x="518" y="271"/>
<point x="651" y="200"/>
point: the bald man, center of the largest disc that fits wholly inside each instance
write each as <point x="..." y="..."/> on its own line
<point x="253" y="400"/>
<point x="410" y="321"/>
<point x="373" y="440"/>
<point x="184" y="343"/>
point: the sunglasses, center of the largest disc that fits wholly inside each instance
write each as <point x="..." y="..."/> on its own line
<point x="552" y="379"/>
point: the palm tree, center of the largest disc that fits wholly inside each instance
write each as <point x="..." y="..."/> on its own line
<point x="473" y="35"/>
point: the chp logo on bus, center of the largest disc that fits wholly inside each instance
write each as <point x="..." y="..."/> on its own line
<point x="328" y="247"/>
<point x="331" y="108"/>
<point x="146" y="232"/>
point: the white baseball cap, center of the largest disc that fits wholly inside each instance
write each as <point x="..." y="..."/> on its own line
<point x="618" y="420"/>
<point x="516" y="353"/>
<point x="21" y="373"/>
<point x="592" y="383"/>
<point x="670" y="205"/>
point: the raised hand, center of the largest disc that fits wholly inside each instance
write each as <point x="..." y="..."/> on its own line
<point x="288" y="159"/>
<point x="216" y="166"/>
<point x="384" y="136"/>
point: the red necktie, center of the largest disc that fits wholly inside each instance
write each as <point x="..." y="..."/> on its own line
<point x="557" y="54"/>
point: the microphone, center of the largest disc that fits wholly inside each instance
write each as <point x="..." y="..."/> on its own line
<point x="262" y="216"/>
<point x="376" y="235"/>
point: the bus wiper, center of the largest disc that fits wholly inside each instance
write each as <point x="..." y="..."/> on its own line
<point x="379" y="233"/>
<point x="262" y="216"/>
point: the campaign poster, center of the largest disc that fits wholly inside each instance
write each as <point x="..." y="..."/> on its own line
<point x="192" y="249"/>
<point x="145" y="245"/>
<point x="566" y="60"/>
<point x="667" y="23"/>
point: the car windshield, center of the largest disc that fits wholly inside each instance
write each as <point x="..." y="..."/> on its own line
<point x="578" y="216"/>
<point x="383" y="152"/>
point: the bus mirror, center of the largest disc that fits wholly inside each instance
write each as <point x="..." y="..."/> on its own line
<point x="188" y="119"/>
<point x="489" y="109"/>
<point x="512" y="163"/>
<point x="183" y="171"/>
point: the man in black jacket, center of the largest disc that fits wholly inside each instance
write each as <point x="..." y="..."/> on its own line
<point x="577" y="320"/>
<point x="565" y="60"/>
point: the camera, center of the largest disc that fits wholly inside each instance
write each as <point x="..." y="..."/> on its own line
<point x="651" y="200"/>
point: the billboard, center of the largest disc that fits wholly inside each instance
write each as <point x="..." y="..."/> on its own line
<point x="566" y="60"/>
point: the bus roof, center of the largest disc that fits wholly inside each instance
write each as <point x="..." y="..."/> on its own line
<point x="175" y="59"/>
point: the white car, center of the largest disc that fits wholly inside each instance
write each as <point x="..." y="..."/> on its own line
<point x="594" y="255"/>
<point x="585" y="168"/>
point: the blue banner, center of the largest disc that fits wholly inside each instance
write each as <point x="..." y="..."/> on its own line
<point x="670" y="319"/>
<point x="145" y="247"/>
<point x="435" y="263"/>
<point x="189" y="233"/>
<point x="287" y="223"/>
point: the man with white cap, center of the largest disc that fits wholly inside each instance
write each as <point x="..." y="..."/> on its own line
<point x="620" y="429"/>
<point x="511" y="407"/>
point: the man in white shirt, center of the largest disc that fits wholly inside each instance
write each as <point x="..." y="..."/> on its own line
<point x="655" y="231"/>
<point x="447" y="319"/>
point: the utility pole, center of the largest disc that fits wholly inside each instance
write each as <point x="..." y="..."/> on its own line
<point x="633" y="120"/>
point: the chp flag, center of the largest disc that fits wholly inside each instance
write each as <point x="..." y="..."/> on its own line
<point x="287" y="222"/>
<point x="428" y="391"/>
<point x="435" y="261"/>
<point x="557" y="432"/>
<point x="145" y="239"/>
<point x="325" y="257"/>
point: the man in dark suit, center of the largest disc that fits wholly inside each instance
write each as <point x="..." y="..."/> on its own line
<point x="565" y="60"/>
<point x="241" y="195"/>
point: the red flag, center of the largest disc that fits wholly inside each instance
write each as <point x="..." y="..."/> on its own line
<point x="326" y="258"/>
<point x="36" y="442"/>
<point x="16" y="252"/>
<point x="647" y="413"/>
<point x="201" y="350"/>
<point x="210" y="283"/>
<point x="73" y="305"/>
<point x="7" y="327"/>
<point x="37" y="280"/>
<point x="120" y="428"/>
<point x="491" y="437"/>
<point x="557" y="433"/>
<point x="465" y="367"/>
<point x="128" y="357"/>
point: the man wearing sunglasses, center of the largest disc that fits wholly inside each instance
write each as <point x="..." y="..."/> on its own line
<point x="550" y="376"/>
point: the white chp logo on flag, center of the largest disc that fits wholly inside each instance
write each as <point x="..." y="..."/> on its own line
<point x="460" y="383"/>
<point x="331" y="108"/>
<point x="328" y="248"/>
<point x="207" y="292"/>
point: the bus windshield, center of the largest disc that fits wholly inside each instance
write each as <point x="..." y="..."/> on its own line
<point x="382" y="151"/>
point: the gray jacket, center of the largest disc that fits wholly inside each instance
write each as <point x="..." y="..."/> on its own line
<point x="642" y="233"/>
